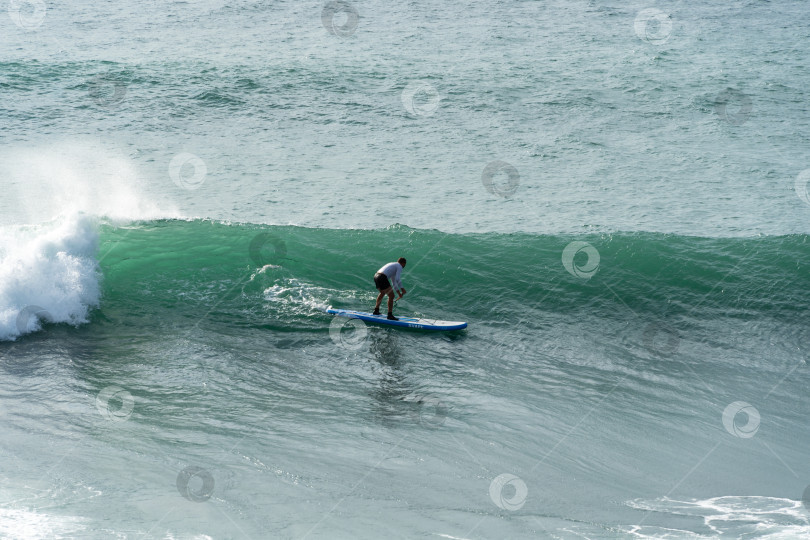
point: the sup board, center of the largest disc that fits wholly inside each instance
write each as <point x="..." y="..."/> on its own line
<point x="406" y="322"/>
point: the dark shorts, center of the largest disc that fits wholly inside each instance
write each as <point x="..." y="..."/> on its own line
<point x="381" y="282"/>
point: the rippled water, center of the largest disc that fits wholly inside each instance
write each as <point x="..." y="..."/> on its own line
<point x="614" y="196"/>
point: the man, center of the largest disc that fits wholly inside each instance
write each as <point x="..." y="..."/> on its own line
<point x="386" y="280"/>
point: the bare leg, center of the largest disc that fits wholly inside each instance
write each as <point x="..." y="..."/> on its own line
<point x="391" y="301"/>
<point x="389" y="290"/>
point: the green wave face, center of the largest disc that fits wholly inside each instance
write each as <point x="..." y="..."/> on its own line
<point x="255" y="275"/>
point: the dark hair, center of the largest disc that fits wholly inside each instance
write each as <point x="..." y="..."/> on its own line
<point x="402" y="261"/>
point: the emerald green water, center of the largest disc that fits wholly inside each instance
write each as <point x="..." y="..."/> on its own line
<point x="210" y="349"/>
<point x="614" y="196"/>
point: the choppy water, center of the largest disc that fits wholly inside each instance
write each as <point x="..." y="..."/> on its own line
<point x="614" y="196"/>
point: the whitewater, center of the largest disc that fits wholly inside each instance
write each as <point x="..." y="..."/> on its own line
<point x="613" y="196"/>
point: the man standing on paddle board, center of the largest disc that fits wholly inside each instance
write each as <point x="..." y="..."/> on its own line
<point x="385" y="276"/>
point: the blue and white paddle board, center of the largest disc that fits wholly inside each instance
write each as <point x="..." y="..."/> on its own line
<point x="406" y="322"/>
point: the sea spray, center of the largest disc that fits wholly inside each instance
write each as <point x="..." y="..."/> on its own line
<point x="48" y="180"/>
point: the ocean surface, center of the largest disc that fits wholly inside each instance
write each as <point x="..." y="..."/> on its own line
<point x="614" y="196"/>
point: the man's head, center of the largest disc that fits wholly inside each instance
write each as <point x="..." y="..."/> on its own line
<point x="402" y="261"/>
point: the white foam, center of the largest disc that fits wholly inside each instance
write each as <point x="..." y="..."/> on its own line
<point x="48" y="235"/>
<point x="25" y="524"/>
<point x="297" y="294"/>
<point x="733" y="516"/>
<point x="48" y="272"/>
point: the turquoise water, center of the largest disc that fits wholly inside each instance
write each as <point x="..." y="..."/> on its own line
<point x="613" y="196"/>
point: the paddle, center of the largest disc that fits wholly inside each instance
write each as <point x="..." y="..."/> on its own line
<point x="398" y="299"/>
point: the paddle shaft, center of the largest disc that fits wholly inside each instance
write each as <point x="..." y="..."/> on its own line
<point x="398" y="299"/>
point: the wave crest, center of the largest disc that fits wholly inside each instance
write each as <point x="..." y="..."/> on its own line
<point x="48" y="273"/>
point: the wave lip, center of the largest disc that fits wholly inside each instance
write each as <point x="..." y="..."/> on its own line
<point x="49" y="273"/>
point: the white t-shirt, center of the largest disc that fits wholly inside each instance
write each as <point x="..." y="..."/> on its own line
<point x="392" y="271"/>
